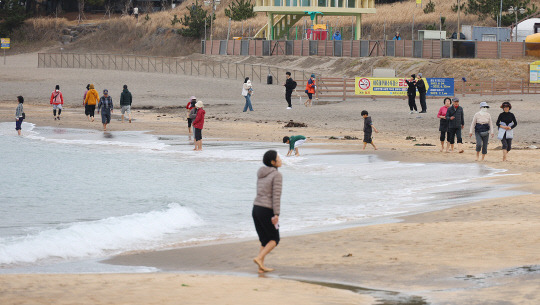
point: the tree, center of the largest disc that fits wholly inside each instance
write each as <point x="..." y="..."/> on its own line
<point x="195" y="22"/>
<point x="12" y="15"/>
<point x="491" y="9"/>
<point x="240" y="10"/>
<point x="82" y="3"/>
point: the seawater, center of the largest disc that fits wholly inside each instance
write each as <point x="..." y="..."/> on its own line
<point x="70" y="195"/>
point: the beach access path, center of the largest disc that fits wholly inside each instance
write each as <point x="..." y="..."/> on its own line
<point x="471" y="254"/>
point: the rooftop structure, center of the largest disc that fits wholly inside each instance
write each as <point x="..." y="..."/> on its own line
<point x="283" y="14"/>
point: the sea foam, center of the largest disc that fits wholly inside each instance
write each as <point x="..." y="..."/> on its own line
<point x="96" y="238"/>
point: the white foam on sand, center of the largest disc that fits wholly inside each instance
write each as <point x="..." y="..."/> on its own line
<point x="97" y="238"/>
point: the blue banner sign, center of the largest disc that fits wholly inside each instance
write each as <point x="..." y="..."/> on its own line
<point x="440" y="86"/>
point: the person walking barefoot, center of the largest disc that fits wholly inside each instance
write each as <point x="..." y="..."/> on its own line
<point x="443" y="124"/>
<point x="57" y="100"/>
<point x="506" y="122"/>
<point x="125" y="103"/>
<point x="106" y="107"/>
<point x="482" y="125"/>
<point x="198" y="124"/>
<point x="266" y="207"/>
<point x="19" y="114"/>
<point x="90" y="102"/>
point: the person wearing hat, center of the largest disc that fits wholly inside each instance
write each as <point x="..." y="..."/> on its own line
<point x="190" y="106"/>
<point x="90" y="101"/>
<point x="198" y="124"/>
<point x="397" y="37"/>
<point x="456" y="122"/>
<point x="483" y="128"/>
<point x="57" y="100"/>
<point x="411" y="93"/>
<point x="310" y="90"/>
<point x="125" y="102"/>
<point x="422" y="91"/>
<point x="506" y="122"/>
<point x="106" y="107"/>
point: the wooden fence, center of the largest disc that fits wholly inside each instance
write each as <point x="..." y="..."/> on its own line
<point x="344" y="88"/>
<point x="169" y="65"/>
<point x="431" y="49"/>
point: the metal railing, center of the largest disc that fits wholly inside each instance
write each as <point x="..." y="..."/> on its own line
<point x="169" y="65"/>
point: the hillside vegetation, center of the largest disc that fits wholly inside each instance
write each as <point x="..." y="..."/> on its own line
<point x="156" y="36"/>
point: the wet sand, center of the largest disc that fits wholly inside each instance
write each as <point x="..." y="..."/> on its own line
<point x="461" y="255"/>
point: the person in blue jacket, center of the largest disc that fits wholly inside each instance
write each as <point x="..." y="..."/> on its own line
<point x="337" y="35"/>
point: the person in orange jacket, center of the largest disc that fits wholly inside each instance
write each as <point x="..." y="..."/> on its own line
<point x="310" y="89"/>
<point x="57" y="100"/>
<point x="90" y="101"/>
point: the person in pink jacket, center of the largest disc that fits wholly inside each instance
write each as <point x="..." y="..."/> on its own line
<point x="57" y="100"/>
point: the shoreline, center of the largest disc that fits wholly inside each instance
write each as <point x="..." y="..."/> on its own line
<point x="167" y="262"/>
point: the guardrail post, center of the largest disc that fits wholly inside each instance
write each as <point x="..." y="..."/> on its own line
<point x="344" y="89"/>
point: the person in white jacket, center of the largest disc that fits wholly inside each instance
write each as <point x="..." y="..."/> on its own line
<point x="482" y="125"/>
<point x="247" y="91"/>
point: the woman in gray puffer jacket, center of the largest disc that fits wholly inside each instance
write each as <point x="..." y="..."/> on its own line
<point x="266" y="206"/>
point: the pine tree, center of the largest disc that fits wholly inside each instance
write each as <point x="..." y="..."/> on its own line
<point x="240" y="10"/>
<point x="194" y="22"/>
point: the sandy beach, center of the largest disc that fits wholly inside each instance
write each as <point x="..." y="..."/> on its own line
<point x="483" y="252"/>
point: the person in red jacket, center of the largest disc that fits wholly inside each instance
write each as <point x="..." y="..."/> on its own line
<point x="198" y="124"/>
<point x="310" y="89"/>
<point x="57" y="100"/>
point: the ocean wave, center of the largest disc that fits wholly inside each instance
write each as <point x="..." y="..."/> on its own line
<point x="97" y="238"/>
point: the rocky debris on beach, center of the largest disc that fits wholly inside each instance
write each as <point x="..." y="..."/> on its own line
<point x="350" y="138"/>
<point x="423" y="144"/>
<point x="295" y="124"/>
<point x="410" y="138"/>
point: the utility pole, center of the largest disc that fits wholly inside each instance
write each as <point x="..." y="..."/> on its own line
<point x="458" y="21"/>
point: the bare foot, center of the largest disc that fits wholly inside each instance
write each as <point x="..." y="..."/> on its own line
<point x="259" y="263"/>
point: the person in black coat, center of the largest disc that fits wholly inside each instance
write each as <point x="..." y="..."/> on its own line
<point x="456" y="122"/>
<point x="411" y="93"/>
<point x="422" y="91"/>
<point x="290" y="85"/>
<point x="506" y="122"/>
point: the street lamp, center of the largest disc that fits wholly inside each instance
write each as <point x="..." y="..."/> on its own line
<point x="214" y="3"/>
<point x="516" y="10"/>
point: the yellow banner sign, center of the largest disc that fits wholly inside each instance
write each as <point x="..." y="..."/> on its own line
<point x="4" y="43"/>
<point x="534" y="73"/>
<point x="380" y="86"/>
<point x="419" y="2"/>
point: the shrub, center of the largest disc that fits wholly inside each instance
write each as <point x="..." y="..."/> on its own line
<point x="430" y="7"/>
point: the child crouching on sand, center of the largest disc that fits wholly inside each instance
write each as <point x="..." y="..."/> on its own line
<point x="368" y="129"/>
<point x="294" y="142"/>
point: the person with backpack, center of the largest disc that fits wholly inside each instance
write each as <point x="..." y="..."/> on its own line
<point x="90" y="101"/>
<point x="290" y="85"/>
<point x="311" y="86"/>
<point x="57" y="100"/>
